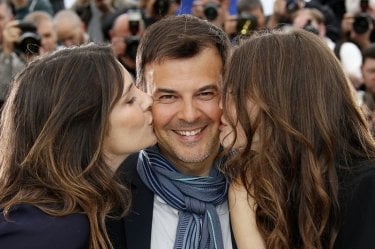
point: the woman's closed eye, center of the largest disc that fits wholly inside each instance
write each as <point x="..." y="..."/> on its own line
<point x="131" y="100"/>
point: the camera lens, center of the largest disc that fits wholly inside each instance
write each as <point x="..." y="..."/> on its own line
<point x="131" y="47"/>
<point x="211" y="11"/>
<point x="291" y="5"/>
<point x="161" y="7"/>
<point x="361" y="23"/>
<point x="29" y="41"/>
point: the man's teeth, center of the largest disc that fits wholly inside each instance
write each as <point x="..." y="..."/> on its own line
<point x="189" y="133"/>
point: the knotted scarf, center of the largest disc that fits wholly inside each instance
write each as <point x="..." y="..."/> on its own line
<point x="195" y="198"/>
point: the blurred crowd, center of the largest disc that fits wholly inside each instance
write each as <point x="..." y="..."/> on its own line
<point x="30" y="28"/>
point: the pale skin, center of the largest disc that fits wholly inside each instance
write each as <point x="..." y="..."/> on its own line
<point x="242" y="206"/>
<point x="130" y="122"/>
<point x="242" y="214"/>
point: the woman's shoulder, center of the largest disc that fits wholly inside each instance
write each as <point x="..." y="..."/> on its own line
<point x="358" y="204"/>
<point x="28" y="227"/>
<point x="358" y="171"/>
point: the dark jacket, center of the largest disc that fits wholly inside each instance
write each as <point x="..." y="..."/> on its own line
<point x="28" y="227"/>
<point x="357" y="201"/>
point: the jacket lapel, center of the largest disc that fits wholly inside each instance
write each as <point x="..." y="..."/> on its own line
<point x="139" y="221"/>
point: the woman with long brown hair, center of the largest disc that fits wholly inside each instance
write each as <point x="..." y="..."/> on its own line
<point x="304" y="161"/>
<point x="70" y="120"/>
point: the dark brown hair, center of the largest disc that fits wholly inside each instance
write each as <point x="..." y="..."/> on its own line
<point x="52" y="131"/>
<point x="178" y="37"/>
<point x="308" y="128"/>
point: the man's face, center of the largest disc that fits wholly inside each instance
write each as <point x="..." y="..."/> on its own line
<point x="186" y="109"/>
<point x="70" y="35"/>
<point x="48" y="36"/>
<point x="368" y="74"/>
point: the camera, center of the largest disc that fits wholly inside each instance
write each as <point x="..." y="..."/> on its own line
<point x="29" y="40"/>
<point x="309" y="27"/>
<point x="361" y="23"/>
<point x="161" y="7"/>
<point x="246" y="23"/>
<point x="132" y="42"/>
<point x="292" y="5"/>
<point x="211" y="10"/>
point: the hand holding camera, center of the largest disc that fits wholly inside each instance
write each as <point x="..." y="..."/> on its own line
<point x="11" y="34"/>
<point x="21" y="37"/>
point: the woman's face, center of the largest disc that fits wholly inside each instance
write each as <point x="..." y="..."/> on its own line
<point x="130" y="124"/>
<point x="227" y="136"/>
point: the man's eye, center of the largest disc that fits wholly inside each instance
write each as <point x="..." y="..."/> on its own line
<point x="166" y="99"/>
<point x="207" y="95"/>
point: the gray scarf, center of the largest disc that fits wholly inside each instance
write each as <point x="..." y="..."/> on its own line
<point x="195" y="198"/>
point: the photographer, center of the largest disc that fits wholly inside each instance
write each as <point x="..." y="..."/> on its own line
<point x="348" y="53"/>
<point x="214" y="11"/>
<point x="10" y="62"/>
<point x="358" y="29"/>
<point x="17" y="50"/>
<point x="154" y="10"/>
<point x="357" y="24"/>
<point x="283" y="11"/>
<point x="250" y="18"/>
<point x="44" y="25"/>
<point x="125" y="34"/>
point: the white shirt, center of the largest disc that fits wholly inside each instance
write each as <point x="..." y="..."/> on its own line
<point x="350" y="57"/>
<point x="165" y="220"/>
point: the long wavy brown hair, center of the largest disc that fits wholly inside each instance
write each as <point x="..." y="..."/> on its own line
<point x="52" y="130"/>
<point x="308" y="128"/>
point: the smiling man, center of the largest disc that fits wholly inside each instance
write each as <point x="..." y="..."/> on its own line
<point x="179" y="196"/>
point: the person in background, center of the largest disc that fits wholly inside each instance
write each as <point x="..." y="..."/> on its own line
<point x="71" y="118"/>
<point x="125" y="34"/>
<point x="214" y="11"/>
<point x="179" y="195"/>
<point x="250" y="17"/>
<point x="70" y="29"/>
<point x="93" y="13"/>
<point x="44" y="25"/>
<point x="10" y="61"/>
<point x="23" y="7"/>
<point x="282" y="12"/>
<point x="358" y="22"/>
<point x="367" y="89"/>
<point x="6" y="15"/>
<point x="154" y="10"/>
<point x="347" y="52"/>
<point x="303" y="159"/>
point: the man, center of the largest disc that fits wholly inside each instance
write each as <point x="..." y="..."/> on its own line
<point x="92" y="13"/>
<point x="179" y="197"/>
<point x="10" y="61"/>
<point x="214" y="11"/>
<point x="44" y="24"/>
<point x="125" y="33"/>
<point x="250" y="17"/>
<point x="5" y="17"/>
<point x="349" y="54"/>
<point x="22" y="8"/>
<point x="69" y="28"/>
<point x="367" y="89"/>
